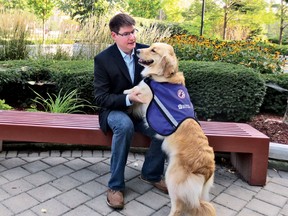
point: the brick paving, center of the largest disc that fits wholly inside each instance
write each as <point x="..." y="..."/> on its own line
<point x="73" y="182"/>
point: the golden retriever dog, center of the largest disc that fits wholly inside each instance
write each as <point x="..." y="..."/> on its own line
<point x="190" y="172"/>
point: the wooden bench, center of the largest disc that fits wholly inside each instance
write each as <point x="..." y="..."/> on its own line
<point x="249" y="148"/>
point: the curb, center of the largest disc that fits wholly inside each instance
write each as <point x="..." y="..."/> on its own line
<point x="278" y="151"/>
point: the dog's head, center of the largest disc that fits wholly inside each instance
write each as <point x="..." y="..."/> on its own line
<point x="159" y="59"/>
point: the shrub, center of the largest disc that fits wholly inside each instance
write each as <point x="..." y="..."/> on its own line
<point x="4" y="106"/>
<point x="275" y="101"/>
<point x="219" y="91"/>
<point x="251" y="54"/>
<point x="222" y="91"/>
<point x="17" y="78"/>
<point x="74" y="74"/>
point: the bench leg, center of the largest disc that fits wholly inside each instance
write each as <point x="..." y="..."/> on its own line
<point x="1" y="145"/>
<point x="252" y="167"/>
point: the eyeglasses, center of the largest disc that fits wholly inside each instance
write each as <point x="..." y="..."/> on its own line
<point x="127" y="34"/>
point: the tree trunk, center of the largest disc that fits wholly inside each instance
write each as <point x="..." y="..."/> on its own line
<point x="285" y="119"/>
<point x="281" y="23"/>
<point x="280" y="36"/>
<point x="225" y="23"/>
<point x="43" y="24"/>
<point x="202" y="18"/>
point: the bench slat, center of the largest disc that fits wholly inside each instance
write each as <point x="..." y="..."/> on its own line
<point x="227" y="128"/>
<point x="48" y="119"/>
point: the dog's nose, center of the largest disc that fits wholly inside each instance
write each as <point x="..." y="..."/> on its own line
<point x="137" y="51"/>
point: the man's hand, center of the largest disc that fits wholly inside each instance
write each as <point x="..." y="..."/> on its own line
<point x="134" y="94"/>
<point x="135" y="97"/>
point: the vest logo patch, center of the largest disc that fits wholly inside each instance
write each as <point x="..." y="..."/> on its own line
<point x="181" y="94"/>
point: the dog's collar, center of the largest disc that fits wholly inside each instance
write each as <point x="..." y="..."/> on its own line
<point x="147" y="80"/>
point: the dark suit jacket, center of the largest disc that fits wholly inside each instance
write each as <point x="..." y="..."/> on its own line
<point x="111" y="78"/>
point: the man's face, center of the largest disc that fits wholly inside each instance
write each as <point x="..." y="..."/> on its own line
<point x="125" y="38"/>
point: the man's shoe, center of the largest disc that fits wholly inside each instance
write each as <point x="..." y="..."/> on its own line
<point x="160" y="185"/>
<point x="115" y="199"/>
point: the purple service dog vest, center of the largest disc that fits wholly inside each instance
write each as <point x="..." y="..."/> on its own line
<point x="170" y="106"/>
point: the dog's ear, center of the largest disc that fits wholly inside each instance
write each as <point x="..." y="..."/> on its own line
<point x="170" y="65"/>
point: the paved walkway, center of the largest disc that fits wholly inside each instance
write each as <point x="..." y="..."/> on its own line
<point x="73" y="183"/>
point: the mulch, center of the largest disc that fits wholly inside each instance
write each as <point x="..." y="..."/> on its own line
<point x="271" y="125"/>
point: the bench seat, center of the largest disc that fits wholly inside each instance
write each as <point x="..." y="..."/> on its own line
<point x="249" y="148"/>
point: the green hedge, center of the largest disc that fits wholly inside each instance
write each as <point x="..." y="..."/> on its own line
<point x="74" y="75"/>
<point x="223" y="91"/>
<point x="219" y="91"/>
<point x="50" y="76"/>
<point x="275" y="101"/>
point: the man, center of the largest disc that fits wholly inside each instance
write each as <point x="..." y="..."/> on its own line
<point x="116" y="69"/>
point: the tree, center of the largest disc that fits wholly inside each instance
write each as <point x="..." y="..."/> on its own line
<point x="230" y="10"/>
<point x="202" y="9"/>
<point x="193" y="16"/>
<point x="81" y="10"/>
<point x="14" y="4"/>
<point x="173" y="9"/>
<point x="283" y="15"/>
<point x="237" y="10"/>
<point x="43" y="10"/>
<point x="144" y="8"/>
<point x="253" y="16"/>
<point x="244" y="19"/>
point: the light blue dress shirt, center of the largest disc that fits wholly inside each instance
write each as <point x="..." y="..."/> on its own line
<point x="129" y="60"/>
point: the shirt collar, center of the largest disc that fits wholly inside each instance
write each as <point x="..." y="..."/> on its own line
<point x="124" y="54"/>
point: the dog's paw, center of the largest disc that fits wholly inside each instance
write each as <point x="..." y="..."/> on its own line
<point x="135" y="90"/>
<point x="159" y="137"/>
<point x="127" y="91"/>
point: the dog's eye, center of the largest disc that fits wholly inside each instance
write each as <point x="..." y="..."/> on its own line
<point x="153" y="50"/>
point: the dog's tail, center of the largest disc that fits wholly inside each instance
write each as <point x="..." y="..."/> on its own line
<point x="205" y="209"/>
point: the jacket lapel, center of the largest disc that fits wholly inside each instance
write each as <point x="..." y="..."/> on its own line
<point x="119" y="61"/>
<point x="122" y="65"/>
<point x="138" y="68"/>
